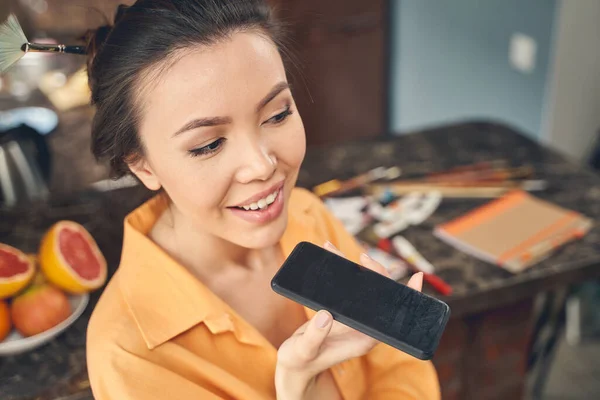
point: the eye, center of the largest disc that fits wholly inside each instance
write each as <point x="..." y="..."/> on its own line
<point x="279" y="118"/>
<point x="208" y="149"/>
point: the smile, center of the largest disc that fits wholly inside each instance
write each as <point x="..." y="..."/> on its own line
<point x="261" y="210"/>
<point x="262" y="203"/>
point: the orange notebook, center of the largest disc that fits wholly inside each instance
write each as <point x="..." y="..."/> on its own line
<point x="515" y="231"/>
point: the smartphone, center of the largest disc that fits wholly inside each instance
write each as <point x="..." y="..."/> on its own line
<point x="367" y="301"/>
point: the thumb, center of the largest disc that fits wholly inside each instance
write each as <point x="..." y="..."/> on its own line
<point x="308" y="343"/>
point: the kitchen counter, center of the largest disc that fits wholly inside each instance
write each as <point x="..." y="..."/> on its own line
<point x="483" y="293"/>
<point x="477" y="285"/>
<point x="58" y="370"/>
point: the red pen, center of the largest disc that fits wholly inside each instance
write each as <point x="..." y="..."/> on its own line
<point x="435" y="281"/>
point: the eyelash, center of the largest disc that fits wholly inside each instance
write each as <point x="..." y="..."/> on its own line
<point x="281" y="117"/>
<point x="214" y="146"/>
<point x="208" y="149"/>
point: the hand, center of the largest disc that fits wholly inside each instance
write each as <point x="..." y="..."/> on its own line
<point x="320" y="344"/>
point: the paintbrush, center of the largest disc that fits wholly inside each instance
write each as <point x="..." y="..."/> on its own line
<point x="14" y="45"/>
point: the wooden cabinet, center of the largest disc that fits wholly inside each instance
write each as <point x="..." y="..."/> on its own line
<point x="341" y="87"/>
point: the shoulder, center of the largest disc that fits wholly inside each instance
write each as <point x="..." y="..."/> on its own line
<point x="304" y="203"/>
<point x="111" y="328"/>
<point x="314" y="219"/>
<point x="308" y="209"/>
<point x="304" y="199"/>
<point x="116" y="354"/>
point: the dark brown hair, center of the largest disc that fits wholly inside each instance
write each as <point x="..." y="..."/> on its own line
<point x="145" y="35"/>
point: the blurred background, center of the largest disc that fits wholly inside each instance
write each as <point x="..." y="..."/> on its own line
<point x="422" y="86"/>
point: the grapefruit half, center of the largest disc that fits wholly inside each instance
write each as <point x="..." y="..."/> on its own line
<point x="16" y="270"/>
<point x="5" y="321"/>
<point x="71" y="259"/>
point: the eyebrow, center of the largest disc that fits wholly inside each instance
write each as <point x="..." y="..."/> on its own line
<point x="280" y="87"/>
<point x="203" y="122"/>
<point x="216" y="121"/>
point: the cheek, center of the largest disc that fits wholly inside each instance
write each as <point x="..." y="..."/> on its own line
<point x="191" y="183"/>
<point x="291" y="146"/>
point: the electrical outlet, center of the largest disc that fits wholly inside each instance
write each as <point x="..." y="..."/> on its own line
<point x="522" y="53"/>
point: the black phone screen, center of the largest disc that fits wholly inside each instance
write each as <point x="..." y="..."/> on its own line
<point x="365" y="300"/>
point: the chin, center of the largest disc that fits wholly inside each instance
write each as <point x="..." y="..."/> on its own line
<point x="261" y="237"/>
<point x="268" y="236"/>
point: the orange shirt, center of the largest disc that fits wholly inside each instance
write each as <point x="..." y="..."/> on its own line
<point x="159" y="333"/>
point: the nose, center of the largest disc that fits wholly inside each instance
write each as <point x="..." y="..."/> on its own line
<point x="257" y="163"/>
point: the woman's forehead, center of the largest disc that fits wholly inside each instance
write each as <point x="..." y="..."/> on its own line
<point x="245" y="64"/>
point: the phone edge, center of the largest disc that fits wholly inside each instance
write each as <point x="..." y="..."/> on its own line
<point x="402" y="346"/>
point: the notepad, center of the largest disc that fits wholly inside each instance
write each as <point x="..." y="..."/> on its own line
<point x="515" y="231"/>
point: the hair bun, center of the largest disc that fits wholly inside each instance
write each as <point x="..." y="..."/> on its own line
<point x="95" y="39"/>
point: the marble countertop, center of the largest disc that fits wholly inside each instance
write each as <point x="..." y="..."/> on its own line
<point x="58" y="369"/>
<point x="477" y="285"/>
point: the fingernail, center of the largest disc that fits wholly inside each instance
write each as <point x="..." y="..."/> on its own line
<point x="421" y="275"/>
<point x="365" y="257"/>
<point x="329" y="244"/>
<point x="323" y="319"/>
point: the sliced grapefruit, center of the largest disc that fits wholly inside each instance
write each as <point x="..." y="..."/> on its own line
<point x="71" y="259"/>
<point x="16" y="270"/>
<point x="5" y="321"/>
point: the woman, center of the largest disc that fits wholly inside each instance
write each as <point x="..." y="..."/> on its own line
<point x="192" y="98"/>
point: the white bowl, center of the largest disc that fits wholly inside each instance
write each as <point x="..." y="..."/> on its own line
<point x="15" y="343"/>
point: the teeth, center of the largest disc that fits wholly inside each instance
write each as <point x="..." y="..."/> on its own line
<point x="262" y="203"/>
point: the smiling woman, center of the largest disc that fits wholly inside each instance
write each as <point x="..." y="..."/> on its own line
<point x="192" y="98"/>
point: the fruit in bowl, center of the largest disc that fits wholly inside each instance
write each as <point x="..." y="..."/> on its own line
<point x="39" y="308"/>
<point x="71" y="259"/>
<point x="16" y="270"/>
<point x="5" y="322"/>
<point x="42" y="294"/>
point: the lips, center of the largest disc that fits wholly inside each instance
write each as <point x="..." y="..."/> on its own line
<point x="266" y="213"/>
<point x="267" y="196"/>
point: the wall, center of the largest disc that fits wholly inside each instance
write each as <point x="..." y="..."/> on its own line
<point x="450" y="62"/>
<point x="572" y="118"/>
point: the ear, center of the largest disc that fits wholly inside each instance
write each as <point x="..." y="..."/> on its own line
<point x="144" y="172"/>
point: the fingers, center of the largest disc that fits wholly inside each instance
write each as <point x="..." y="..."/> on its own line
<point x="365" y="260"/>
<point x="373" y="265"/>
<point x="308" y="343"/>
<point x="329" y="246"/>
<point x="317" y="347"/>
<point x="416" y="281"/>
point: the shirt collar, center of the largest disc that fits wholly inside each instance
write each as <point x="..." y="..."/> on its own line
<point x="164" y="298"/>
